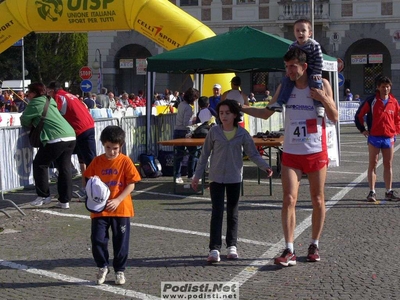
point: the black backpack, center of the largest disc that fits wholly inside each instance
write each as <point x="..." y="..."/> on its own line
<point x="166" y="159"/>
<point x="201" y="131"/>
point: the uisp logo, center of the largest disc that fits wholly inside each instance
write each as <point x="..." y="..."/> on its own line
<point x="49" y="9"/>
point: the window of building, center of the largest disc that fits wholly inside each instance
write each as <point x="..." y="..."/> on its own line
<point x="387" y="8"/>
<point x="371" y="71"/>
<point x="246" y="1"/>
<point x="347" y="9"/>
<point x="189" y="2"/>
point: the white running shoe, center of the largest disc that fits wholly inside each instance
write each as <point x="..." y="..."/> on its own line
<point x="179" y="180"/>
<point x="102" y="274"/>
<point x="120" y="278"/>
<point x="213" y="256"/>
<point x="39" y="201"/>
<point x="232" y="253"/>
<point x="62" y="205"/>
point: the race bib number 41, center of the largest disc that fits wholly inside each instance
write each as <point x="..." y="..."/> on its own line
<point x="305" y="131"/>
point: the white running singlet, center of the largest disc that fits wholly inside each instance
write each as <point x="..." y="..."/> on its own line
<point x="304" y="131"/>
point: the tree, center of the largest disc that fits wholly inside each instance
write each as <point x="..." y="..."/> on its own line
<point x="58" y="56"/>
<point x="48" y="56"/>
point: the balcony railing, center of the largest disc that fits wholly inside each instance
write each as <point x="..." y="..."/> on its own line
<point x="293" y="10"/>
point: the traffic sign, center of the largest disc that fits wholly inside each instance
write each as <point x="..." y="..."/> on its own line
<point x="85" y="72"/>
<point x="86" y="86"/>
<point x="340" y="65"/>
<point x="341" y="79"/>
<point x="18" y="43"/>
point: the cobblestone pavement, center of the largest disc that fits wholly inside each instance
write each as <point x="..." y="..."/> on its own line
<point x="46" y="253"/>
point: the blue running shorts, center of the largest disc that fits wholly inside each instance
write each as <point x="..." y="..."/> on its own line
<point x="381" y="142"/>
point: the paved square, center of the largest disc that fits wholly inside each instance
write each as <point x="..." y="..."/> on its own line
<point x="47" y="253"/>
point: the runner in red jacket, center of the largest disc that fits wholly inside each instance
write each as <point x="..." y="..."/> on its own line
<point x="383" y="124"/>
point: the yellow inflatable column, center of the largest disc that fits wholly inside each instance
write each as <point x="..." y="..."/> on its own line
<point x="12" y="25"/>
<point x="150" y="19"/>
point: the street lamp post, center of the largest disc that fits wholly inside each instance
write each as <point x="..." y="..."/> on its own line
<point x="23" y="64"/>
<point x="98" y="65"/>
<point x="312" y="18"/>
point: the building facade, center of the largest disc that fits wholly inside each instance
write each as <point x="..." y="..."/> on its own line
<point x="364" y="35"/>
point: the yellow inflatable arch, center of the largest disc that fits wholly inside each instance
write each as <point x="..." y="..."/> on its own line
<point x="148" y="17"/>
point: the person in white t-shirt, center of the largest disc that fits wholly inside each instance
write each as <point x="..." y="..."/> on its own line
<point x="235" y="93"/>
<point x="206" y="113"/>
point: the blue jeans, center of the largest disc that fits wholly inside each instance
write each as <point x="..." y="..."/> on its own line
<point x="217" y="192"/>
<point x="180" y="153"/>
<point x="287" y="86"/>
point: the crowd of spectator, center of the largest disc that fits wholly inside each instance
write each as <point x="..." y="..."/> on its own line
<point x="11" y="101"/>
<point x="107" y="99"/>
<point x="16" y="101"/>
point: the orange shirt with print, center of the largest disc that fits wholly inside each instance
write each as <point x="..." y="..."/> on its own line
<point x="116" y="174"/>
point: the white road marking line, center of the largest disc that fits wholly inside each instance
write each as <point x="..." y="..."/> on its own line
<point x="341" y="172"/>
<point x="275" y="206"/>
<point x="333" y="187"/>
<point x="171" y="195"/>
<point x="355" y="152"/>
<point x="78" y="281"/>
<point x="7" y="230"/>
<point x="264" y="204"/>
<point x="263" y="182"/>
<point x="354" y="161"/>
<point x="353" y="143"/>
<point x="162" y="228"/>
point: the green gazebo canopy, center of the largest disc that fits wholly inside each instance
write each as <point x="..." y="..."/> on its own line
<point x="242" y="50"/>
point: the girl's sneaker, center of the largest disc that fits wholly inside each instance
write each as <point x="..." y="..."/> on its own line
<point x="232" y="253"/>
<point x="213" y="256"/>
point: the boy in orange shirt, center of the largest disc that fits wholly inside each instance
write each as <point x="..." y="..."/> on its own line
<point x="119" y="173"/>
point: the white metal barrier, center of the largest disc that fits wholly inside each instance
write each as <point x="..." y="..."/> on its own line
<point x="10" y="119"/>
<point x="255" y="125"/>
<point x="100" y="124"/>
<point x="347" y="111"/>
